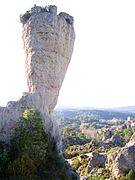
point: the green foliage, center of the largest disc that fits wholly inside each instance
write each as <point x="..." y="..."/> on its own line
<point x="55" y="167"/>
<point x="22" y="166"/>
<point x="30" y="156"/>
<point x="68" y="130"/>
<point x="80" y="135"/>
<point x="124" y="132"/>
<point x="76" y="150"/>
<point x="114" y="150"/>
<point x="30" y="138"/>
<point x="129" y="176"/>
<point x="70" y="153"/>
<point x="3" y="154"/>
<point x="80" y="164"/>
<point x="96" y="176"/>
<point x="82" y="169"/>
<point x="28" y="148"/>
<point x="76" y="163"/>
<point x="73" y="139"/>
<point x="4" y="158"/>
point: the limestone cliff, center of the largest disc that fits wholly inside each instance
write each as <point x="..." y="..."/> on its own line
<point x="48" y="43"/>
<point x="120" y="162"/>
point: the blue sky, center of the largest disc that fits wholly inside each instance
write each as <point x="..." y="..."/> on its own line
<point x="102" y="69"/>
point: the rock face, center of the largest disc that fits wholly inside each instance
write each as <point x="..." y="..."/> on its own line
<point x="107" y="134"/>
<point x="96" y="159"/>
<point x="116" y="140"/>
<point x="48" y="43"/>
<point x="132" y="141"/>
<point x="122" y="162"/>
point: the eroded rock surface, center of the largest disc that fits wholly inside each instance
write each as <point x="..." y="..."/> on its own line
<point x="120" y="163"/>
<point x="131" y="141"/>
<point x="48" y="43"/>
<point x="107" y="134"/>
<point x="123" y="160"/>
<point x="96" y="159"/>
<point x="115" y="140"/>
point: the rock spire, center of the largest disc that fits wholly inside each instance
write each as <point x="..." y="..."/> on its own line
<point x="48" y="40"/>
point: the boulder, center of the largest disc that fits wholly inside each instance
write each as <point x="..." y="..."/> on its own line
<point x="107" y="134"/>
<point x="96" y="159"/>
<point x="121" y="162"/>
<point x="116" y="140"/>
<point x="103" y="146"/>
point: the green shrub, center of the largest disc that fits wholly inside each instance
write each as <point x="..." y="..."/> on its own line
<point x="124" y="132"/>
<point x="30" y="155"/>
<point x="23" y="166"/>
<point x="129" y="176"/>
<point x="4" y="159"/>
<point x="76" y="163"/>
<point x="96" y="176"/>
<point x="29" y="146"/>
<point x="30" y="138"/>
<point x="114" y="150"/>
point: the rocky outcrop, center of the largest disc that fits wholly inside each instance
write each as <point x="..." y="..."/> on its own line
<point x="48" y="43"/>
<point x="120" y="163"/>
<point x="102" y="146"/>
<point x="96" y="160"/>
<point x="12" y="113"/>
<point x="107" y="134"/>
<point x="131" y="141"/>
<point x="115" y="140"/>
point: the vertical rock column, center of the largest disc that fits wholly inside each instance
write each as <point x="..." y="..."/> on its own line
<point x="48" y="43"/>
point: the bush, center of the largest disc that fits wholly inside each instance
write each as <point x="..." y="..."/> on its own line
<point x="114" y="150"/>
<point x="30" y="138"/>
<point x="27" y="150"/>
<point x="76" y="163"/>
<point x="96" y="176"/>
<point x="29" y="146"/>
<point x="4" y="159"/>
<point x="124" y="133"/>
<point x="129" y="176"/>
<point x="30" y="155"/>
<point x="23" y="166"/>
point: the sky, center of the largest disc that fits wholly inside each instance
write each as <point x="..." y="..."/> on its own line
<point x="102" y="68"/>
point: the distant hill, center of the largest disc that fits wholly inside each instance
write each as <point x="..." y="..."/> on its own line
<point x="106" y="114"/>
<point x="130" y="109"/>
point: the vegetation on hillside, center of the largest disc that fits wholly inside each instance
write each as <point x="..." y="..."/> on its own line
<point x="30" y="156"/>
<point x="83" y="132"/>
